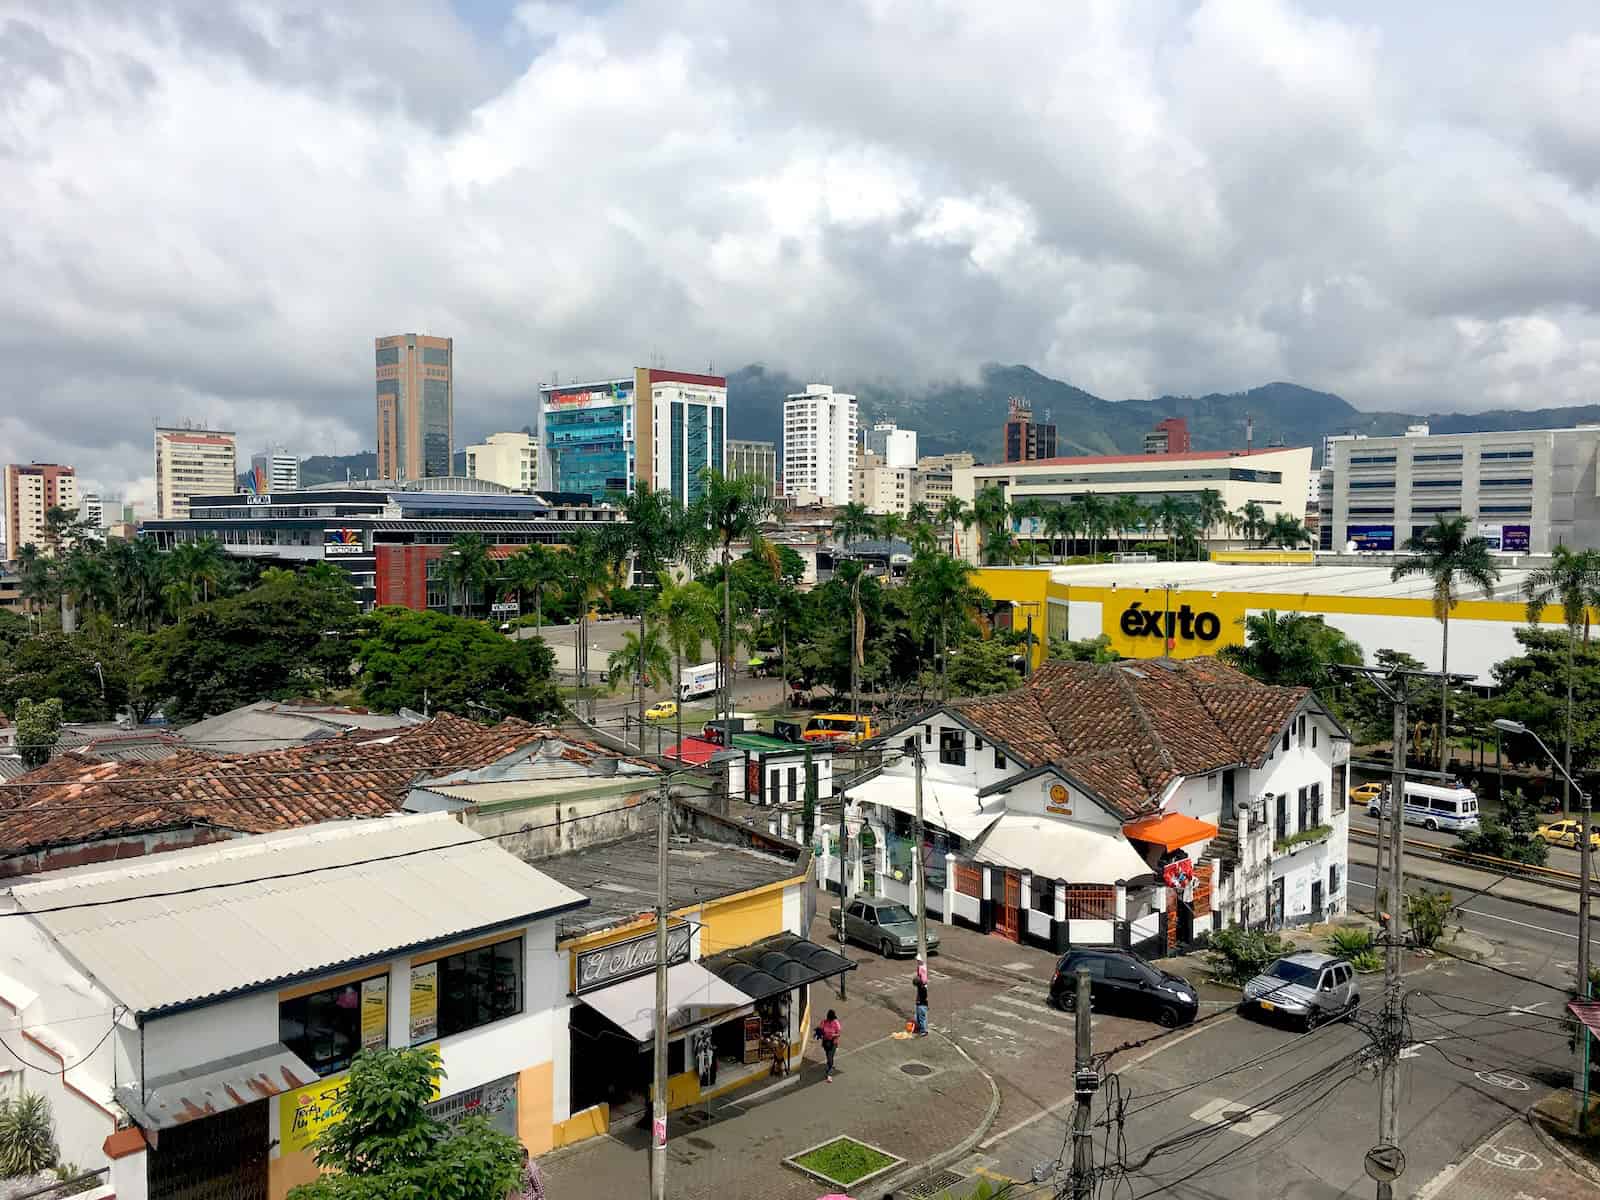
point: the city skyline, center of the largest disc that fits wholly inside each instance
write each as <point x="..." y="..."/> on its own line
<point x="1395" y="206"/>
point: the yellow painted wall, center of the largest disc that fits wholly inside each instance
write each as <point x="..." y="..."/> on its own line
<point x="587" y="1123"/>
<point x="1263" y="556"/>
<point x="290" y="1171"/>
<point x="740" y="920"/>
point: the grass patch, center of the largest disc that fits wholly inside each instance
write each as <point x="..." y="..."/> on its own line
<point x="1315" y="834"/>
<point x="844" y="1161"/>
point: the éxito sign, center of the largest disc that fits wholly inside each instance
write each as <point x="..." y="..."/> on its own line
<point x="1138" y="621"/>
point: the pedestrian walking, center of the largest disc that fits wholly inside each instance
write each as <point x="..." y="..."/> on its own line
<point x="921" y="982"/>
<point x="531" y="1186"/>
<point x="829" y="1032"/>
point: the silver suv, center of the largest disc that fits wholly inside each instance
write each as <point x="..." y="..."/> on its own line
<point x="1309" y="988"/>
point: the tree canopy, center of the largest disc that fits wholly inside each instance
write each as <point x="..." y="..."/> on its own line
<point x="416" y="659"/>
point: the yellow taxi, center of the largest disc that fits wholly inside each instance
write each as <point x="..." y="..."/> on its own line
<point x="1566" y="833"/>
<point x="1366" y="793"/>
<point x="661" y="710"/>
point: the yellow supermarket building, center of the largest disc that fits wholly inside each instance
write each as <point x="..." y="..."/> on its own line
<point x="1186" y="609"/>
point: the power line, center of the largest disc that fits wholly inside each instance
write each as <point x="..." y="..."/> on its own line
<point x="65" y="1066"/>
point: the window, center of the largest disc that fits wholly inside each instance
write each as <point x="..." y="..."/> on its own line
<point x="1436" y="483"/>
<point x="999" y="759"/>
<point x="1316" y="805"/>
<point x="977" y="742"/>
<point x="1508" y="481"/>
<point x="927" y="735"/>
<point x="388" y="357"/>
<point x="1364" y="460"/>
<point x="953" y="747"/>
<point x="1121" y="970"/>
<point x="1305" y="809"/>
<point x="1301" y="730"/>
<point x="1313" y="737"/>
<point x="1333" y="879"/>
<point x="910" y="745"/>
<point x="1436" y="458"/>
<point x="1489" y="455"/>
<point x="1095" y="964"/>
<point x="1370" y="484"/>
<point x="1044" y="895"/>
<point x="1282" y="830"/>
<point x="473" y="988"/>
<point x="1285" y="739"/>
<point x="326" y="1028"/>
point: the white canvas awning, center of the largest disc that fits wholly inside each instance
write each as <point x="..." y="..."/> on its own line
<point x="946" y="806"/>
<point x="693" y="994"/>
<point x="1053" y="849"/>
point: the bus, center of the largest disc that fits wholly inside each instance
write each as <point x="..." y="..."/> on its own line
<point x="1433" y="807"/>
<point x="699" y="681"/>
<point x="839" y="727"/>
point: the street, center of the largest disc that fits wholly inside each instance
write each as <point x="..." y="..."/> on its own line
<point x="1561" y="858"/>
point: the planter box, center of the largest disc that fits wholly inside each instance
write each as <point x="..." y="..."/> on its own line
<point x="843" y="1184"/>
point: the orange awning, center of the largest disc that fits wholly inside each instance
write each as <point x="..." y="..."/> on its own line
<point x="1170" y="830"/>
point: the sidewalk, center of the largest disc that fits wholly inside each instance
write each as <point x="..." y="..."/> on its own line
<point x="1513" y="1163"/>
<point x="1465" y="881"/>
<point x="738" y="1151"/>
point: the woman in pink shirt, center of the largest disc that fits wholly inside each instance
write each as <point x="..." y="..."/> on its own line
<point x="829" y="1032"/>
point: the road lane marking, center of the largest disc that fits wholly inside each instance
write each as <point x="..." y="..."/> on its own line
<point x="1034" y="1006"/>
<point x="1011" y="1016"/>
<point x="1492" y="916"/>
<point x="1218" y="1111"/>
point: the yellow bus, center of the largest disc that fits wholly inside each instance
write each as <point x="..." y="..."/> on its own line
<point x="840" y="727"/>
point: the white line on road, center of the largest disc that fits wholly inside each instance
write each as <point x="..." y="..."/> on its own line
<point x="1011" y="1016"/>
<point x="1492" y="916"/>
<point x="1034" y="1006"/>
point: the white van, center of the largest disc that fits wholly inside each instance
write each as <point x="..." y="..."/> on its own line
<point x="1435" y="807"/>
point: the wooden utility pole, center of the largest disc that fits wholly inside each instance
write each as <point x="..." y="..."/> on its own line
<point x="658" y="1102"/>
<point x="1085" y="1082"/>
<point x="1394" y="945"/>
<point x="922" y="881"/>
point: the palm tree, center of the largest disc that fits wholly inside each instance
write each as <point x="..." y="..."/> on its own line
<point x="535" y="569"/>
<point x="852" y="573"/>
<point x="854" y="523"/>
<point x="1030" y="509"/>
<point x="1060" y="521"/>
<point x="956" y="513"/>
<point x="1447" y="554"/>
<point x="1210" y="511"/>
<point x="941" y="586"/>
<point x="588" y="573"/>
<point x="688" y="613"/>
<point x="654" y="533"/>
<point x="1571" y="580"/>
<point x="1096" y="512"/>
<point x="992" y="515"/>
<point x="920" y="512"/>
<point x="643" y="659"/>
<point x="466" y="566"/>
<point x="1253" y="520"/>
<point x="890" y="526"/>
<point x="1169" y="512"/>
<point x="1288" y="531"/>
<point x="786" y="612"/>
<point x="731" y="510"/>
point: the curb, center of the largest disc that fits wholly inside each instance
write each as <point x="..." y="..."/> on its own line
<point x="950" y="1154"/>
<point x="1575" y="1164"/>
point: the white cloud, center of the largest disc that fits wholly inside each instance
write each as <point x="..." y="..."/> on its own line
<point x="212" y="208"/>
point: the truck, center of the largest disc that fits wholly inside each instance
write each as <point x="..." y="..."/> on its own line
<point x="699" y="681"/>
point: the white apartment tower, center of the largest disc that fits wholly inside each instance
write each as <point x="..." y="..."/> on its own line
<point x="510" y="459"/>
<point x="895" y="447"/>
<point x="819" y="445"/>
<point x="193" y="462"/>
<point x="280" y="470"/>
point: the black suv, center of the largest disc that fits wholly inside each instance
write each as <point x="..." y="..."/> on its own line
<point x="1122" y="983"/>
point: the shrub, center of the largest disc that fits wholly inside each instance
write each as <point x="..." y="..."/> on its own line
<point x="1367" y="962"/>
<point x="27" y="1138"/>
<point x="1427" y="916"/>
<point x="1504" y="841"/>
<point x="1238" y="954"/>
<point x="1347" y="943"/>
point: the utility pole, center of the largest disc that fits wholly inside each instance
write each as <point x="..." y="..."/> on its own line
<point x="922" y="879"/>
<point x="658" y="1103"/>
<point x="1394" y="944"/>
<point x="1085" y="1081"/>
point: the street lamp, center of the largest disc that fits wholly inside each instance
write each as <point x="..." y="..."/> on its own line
<point x="1581" y="1083"/>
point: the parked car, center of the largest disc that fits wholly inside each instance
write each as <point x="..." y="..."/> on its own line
<point x="1309" y="988"/>
<point x="1121" y="982"/>
<point x="1366" y="793"/>
<point x="1566" y="833"/>
<point x="889" y="928"/>
<point x="661" y="710"/>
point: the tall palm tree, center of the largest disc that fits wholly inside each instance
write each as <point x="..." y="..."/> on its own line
<point x="1060" y="521"/>
<point x="992" y="515"/>
<point x="920" y="512"/>
<point x="1252" y="520"/>
<point x="788" y="610"/>
<point x="853" y="573"/>
<point x="536" y="569"/>
<point x="1572" y="580"/>
<point x="1288" y="531"/>
<point x="956" y="513"/>
<point x="588" y="573"/>
<point x="87" y="581"/>
<point x="1169" y="512"/>
<point x="654" y="533"/>
<point x="1033" y="510"/>
<point x="643" y="660"/>
<point x="1128" y="515"/>
<point x="688" y="613"/>
<point x="1448" y="555"/>
<point x="853" y="523"/>
<point x="1096" y="512"/>
<point x="728" y="511"/>
<point x="1210" y="511"/>
<point x="466" y="567"/>
<point x="941" y="588"/>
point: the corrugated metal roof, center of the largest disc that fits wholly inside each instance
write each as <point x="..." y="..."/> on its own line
<point x="1316" y="579"/>
<point x="215" y="1087"/>
<point x="212" y="931"/>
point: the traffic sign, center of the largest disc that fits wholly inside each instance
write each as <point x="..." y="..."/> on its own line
<point x="1386" y="1163"/>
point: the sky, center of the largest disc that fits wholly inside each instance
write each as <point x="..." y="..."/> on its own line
<point x="209" y="209"/>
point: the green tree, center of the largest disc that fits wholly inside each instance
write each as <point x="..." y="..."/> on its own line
<point x="1170" y="512"/>
<point x="941" y="591"/>
<point x="1571" y="580"/>
<point x="1252" y="520"/>
<point x="688" y="612"/>
<point x="1210" y="511"/>
<point x="1513" y="836"/>
<point x="13" y="629"/>
<point x="466" y="568"/>
<point x="589" y="573"/>
<point x="1448" y="554"/>
<point x="983" y="667"/>
<point x="728" y="511"/>
<point x="27" y="1136"/>
<point x="38" y="730"/>
<point x="1530" y="687"/>
<point x="957" y="514"/>
<point x="1291" y="649"/>
<point x="387" y="1147"/>
<point x="1095" y="649"/>
<point x="1032" y="510"/>
<point x="853" y="523"/>
<point x="1288" y="531"/>
<point x="1060" y="521"/>
<point x="655" y="533"/>
<point x="428" y="660"/>
<point x="1126" y="515"/>
<point x="537" y="570"/>
<point x="1095" y="514"/>
<point x="643" y="660"/>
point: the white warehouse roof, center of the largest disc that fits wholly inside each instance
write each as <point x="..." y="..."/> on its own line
<point x="207" y="921"/>
<point x="1316" y="579"/>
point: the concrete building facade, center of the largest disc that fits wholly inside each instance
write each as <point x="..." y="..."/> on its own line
<point x="31" y="491"/>
<point x="754" y="460"/>
<point x="509" y="459"/>
<point x="193" y="462"/>
<point x="819" y="445"/>
<point x="1027" y="439"/>
<point x="415" y="405"/>
<point x="896" y="447"/>
<point x="884" y="488"/>
<point x="277" y="469"/>
<point x="1525" y="491"/>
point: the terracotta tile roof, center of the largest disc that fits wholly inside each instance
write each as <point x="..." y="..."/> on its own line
<point x="366" y="773"/>
<point x="1125" y="730"/>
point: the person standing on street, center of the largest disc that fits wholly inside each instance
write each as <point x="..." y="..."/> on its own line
<point x="921" y="982"/>
<point x="829" y="1032"/>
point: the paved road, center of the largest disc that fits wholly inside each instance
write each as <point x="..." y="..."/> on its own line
<point x="1560" y="858"/>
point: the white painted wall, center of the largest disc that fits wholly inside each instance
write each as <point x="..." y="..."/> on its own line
<point x="1475" y="646"/>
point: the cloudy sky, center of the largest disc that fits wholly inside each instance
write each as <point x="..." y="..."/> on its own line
<point x="209" y="209"/>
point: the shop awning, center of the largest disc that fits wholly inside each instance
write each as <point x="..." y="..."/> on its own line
<point x="955" y="808"/>
<point x="778" y="963"/>
<point x="216" y="1086"/>
<point x="1588" y="1014"/>
<point x="1170" y="831"/>
<point x="693" y="993"/>
<point x="1053" y="849"/>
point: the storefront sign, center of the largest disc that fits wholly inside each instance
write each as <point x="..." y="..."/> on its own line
<point x="1371" y="537"/>
<point x="252" y="500"/>
<point x="496" y="1102"/>
<point x="1060" y="801"/>
<point x="375" y="1013"/>
<point x="1514" y="539"/>
<point x="305" y="1112"/>
<point x="625" y="960"/>
<point x="424" y="1002"/>
<point x="338" y="543"/>
<point x="1138" y="621"/>
<point x="1490" y="535"/>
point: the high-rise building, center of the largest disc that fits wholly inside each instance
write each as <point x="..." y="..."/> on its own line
<point x="819" y="445"/>
<point x="92" y="510"/>
<point x="755" y="460"/>
<point x="959" y="461"/>
<point x="274" y="470"/>
<point x="883" y="488"/>
<point x="31" y="491"/>
<point x="193" y="462"/>
<point x="664" y="428"/>
<point x="416" y="405"/>
<point x="1027" y="439"/>
<point x="1170" y="436"/>
<point x="895" y="447"/>
<point x="509" y="459"/>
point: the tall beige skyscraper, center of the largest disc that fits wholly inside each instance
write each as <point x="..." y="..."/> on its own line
<point x="193" y="462"/>
<point x="416" y="405"/>
<point x="31" y="491"/>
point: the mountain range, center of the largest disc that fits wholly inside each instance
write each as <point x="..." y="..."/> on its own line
<point x="961" y="415"/>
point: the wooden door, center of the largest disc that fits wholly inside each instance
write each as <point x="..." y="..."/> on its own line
<point x="1008" y="921"/>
